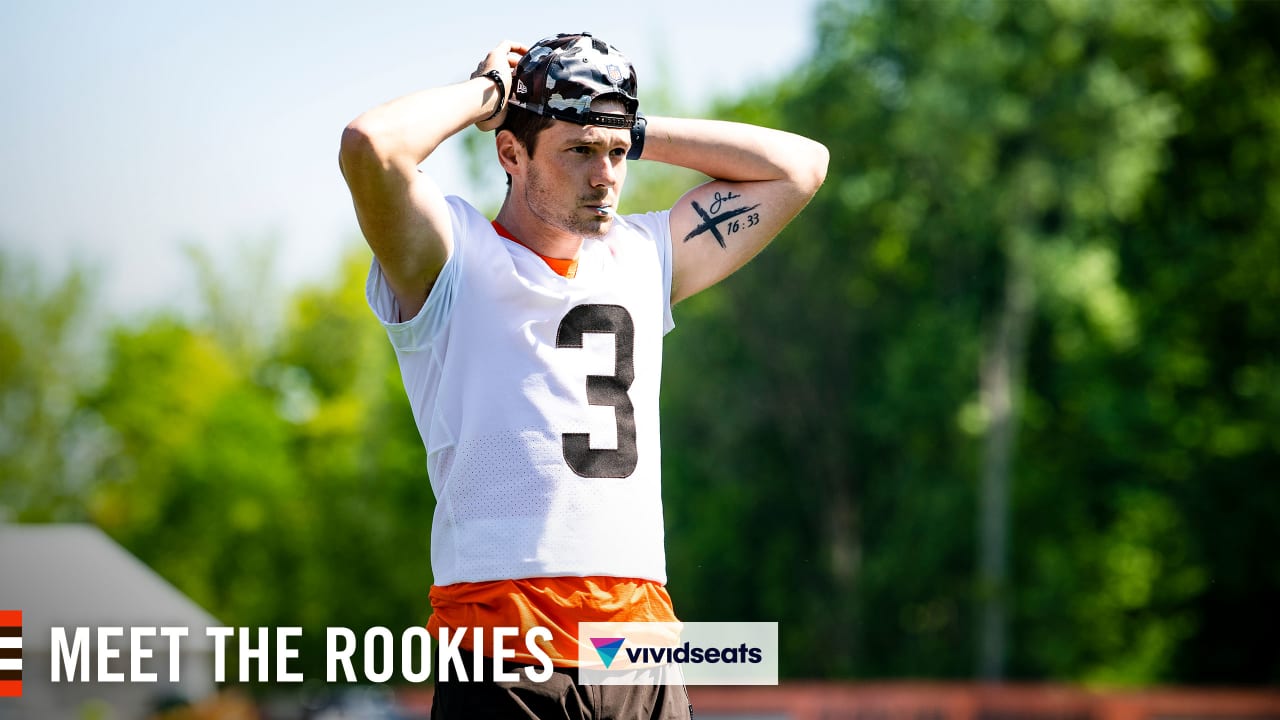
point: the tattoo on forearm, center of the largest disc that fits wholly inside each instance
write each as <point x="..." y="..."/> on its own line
<point x="712" y="219"/>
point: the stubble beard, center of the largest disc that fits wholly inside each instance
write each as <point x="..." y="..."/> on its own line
<point x="540" y="201"/>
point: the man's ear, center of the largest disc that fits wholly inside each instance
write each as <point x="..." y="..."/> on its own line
<point x="511" y="153"/>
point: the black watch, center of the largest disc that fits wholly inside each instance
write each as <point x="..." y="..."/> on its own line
<point x="637" y="137"/>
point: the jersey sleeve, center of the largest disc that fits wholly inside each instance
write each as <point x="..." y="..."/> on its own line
<point x="657" y="227"/>
<point x="420" y="331"/>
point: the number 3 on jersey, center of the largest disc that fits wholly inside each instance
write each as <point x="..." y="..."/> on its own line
<point x="606" y="390"/>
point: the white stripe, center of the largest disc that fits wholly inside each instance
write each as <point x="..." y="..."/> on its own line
<point x="7" y="643"/>
<point x="15" y="664"/>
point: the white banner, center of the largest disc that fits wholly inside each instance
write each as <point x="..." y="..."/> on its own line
<point x="695" y="653"/>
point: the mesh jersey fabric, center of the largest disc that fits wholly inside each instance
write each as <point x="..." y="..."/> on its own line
<point x="495" y="392"/>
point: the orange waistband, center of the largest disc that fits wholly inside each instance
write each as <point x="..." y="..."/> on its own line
<point x="556" y="603"/>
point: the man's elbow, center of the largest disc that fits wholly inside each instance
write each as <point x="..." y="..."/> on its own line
<point x="356" y="142"/>
<point x="812" y="171"/>
<point x="361" y="147"/>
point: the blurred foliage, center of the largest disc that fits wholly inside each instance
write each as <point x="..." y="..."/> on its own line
<point x="1107" y="169"/>
<point x="276" y="483"/>
<point x="47" y="440"/>
<point x="1084" y="191"/>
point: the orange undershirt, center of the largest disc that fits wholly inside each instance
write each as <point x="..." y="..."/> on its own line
<point x="562" y="267"/>
<point x="556" y="603"/>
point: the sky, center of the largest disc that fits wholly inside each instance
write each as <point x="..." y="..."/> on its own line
<point x="132" y="130"/>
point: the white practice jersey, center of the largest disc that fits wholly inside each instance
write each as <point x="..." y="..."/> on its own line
<point x="537" y="400"/>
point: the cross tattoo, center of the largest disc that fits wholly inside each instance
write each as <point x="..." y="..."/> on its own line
<point x="709" y="222"/>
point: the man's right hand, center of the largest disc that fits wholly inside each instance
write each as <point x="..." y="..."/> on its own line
<point x="504" y="59"/>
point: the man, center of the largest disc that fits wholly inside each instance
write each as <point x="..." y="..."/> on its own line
<point x="530" y="345"/>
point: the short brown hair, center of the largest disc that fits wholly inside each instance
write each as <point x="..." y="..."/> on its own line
<point x="525" y="125"/>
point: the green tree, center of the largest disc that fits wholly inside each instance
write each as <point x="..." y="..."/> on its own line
<point x="990" y="163"/>
<point x="277" y="481"/>
<point x="1174" y="583"/>
<point x="48" y="442"/>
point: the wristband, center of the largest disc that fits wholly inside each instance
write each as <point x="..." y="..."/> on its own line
<point x="496" y="77"/>
<point x="637" y="137"/>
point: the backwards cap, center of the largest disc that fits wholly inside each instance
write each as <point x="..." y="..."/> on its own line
<point x="561" y="76"/>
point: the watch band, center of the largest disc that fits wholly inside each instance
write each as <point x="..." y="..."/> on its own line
<point x="637" y="137"/>
<point x="496" y="77"/>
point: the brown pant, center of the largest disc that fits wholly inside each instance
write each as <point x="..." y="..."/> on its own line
<point x="561" y="697"/>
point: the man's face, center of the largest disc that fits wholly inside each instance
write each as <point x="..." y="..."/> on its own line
<point x="575" y="177"/>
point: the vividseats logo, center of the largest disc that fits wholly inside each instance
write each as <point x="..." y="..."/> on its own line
<point x="687" y="653"/>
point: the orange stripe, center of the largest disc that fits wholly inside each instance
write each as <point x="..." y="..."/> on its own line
<point x="10" y="688"/>
<point x="10" y="618"/>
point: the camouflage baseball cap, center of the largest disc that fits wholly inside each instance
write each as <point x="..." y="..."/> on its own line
<point x="561" y="76"/>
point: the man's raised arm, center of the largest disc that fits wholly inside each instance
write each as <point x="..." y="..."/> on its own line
<point x="762" y="178"/>
<point x="402" y="213"/>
